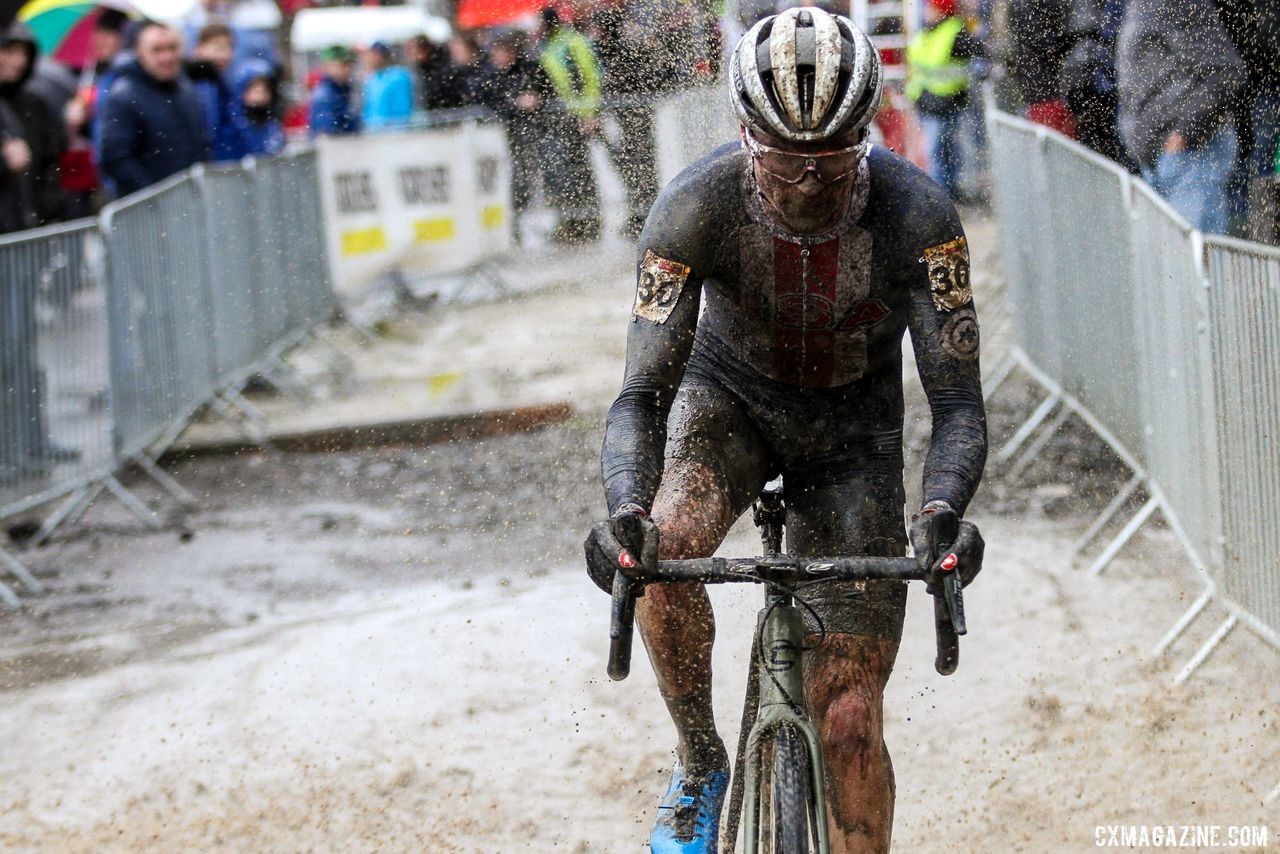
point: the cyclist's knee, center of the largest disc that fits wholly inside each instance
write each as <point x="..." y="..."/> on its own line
<point x="852" y="722"/>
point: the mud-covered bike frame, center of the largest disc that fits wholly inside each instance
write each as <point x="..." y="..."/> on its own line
<point x="775" y="688"/>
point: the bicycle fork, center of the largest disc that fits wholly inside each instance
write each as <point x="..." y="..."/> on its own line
<point x="781" y="681"/>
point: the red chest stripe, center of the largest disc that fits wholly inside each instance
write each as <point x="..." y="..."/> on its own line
<point x="805" y="281"/>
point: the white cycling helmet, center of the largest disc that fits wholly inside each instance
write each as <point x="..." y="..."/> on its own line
<point x="805" y="75"/>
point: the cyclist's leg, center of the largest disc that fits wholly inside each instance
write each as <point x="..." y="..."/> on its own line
<point x="846" y="675"/>
<point x="716" y="466"/>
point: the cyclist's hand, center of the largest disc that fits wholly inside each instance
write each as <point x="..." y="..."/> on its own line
<point x="965" y="554"/>
<point x="606" y="553"/>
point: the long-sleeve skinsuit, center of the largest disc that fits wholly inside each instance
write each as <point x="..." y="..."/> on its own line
<point x="795" y="366"/>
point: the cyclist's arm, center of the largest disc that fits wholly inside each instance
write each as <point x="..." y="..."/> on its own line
<point x="659" y="339"/>
<point x="944" y="334"/>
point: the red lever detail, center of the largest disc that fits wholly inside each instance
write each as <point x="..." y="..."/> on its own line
<point x="949" y="562"/>
<point x="625" y="560"/>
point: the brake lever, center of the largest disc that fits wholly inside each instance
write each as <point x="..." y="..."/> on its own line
<point x="948" y="600"/>
<point x="626" y="590"/>
<point x="622" y="617"/>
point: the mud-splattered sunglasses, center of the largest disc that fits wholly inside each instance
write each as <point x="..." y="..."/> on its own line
<point x="790" y="167"/>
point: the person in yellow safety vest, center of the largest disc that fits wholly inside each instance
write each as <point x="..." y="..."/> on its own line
<point x="573" y="118"/>
<point x="938" y="83"/>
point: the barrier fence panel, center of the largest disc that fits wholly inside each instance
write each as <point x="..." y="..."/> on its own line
<point x="1173" y="372"/>
<point x="162" y="354"/>
<point x="1019" y="181"/>
<point x="55" y="425"/>
<point x="1244" y="311"/>
<point x="238" y="312"/>
<point x="1168" y="342"/>
<point x="270" y="219"/>
<point x="690" y="125"/>
<point x="1091" y="288"/>
<point x="311" y="290"/>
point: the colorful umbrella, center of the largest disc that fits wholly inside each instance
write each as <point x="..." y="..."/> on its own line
<point x="62" y="27"/>
<point x="493" y="13"/>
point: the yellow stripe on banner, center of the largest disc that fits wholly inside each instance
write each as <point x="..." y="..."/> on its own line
<point x="493" y="216"/>
<point x="432" y="230"/>
<point x="364" y="240"/>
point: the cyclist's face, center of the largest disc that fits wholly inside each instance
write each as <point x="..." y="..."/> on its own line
<point x="806" y="183"/>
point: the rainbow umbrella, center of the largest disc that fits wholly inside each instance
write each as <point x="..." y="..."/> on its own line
<point x="62" y="27"/>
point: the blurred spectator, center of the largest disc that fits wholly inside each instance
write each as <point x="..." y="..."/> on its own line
<point x="519" y="97"/>
<point x="153" y="123"/>
<point x="1088" y="80"/>
<point x="331" y="109"/>
<point x="1178" y="75"/>
<point x="260" y="128"/>
<point x="388" y="90"/>
<point x="1038" y="43"/>
<point x="16" y="210"/>
<point x="41" y="126"/>
<point x="207" y="70"/>
<point x="938" y="82"/>
<point x="573" y="118"/>
<point x="1254" y="28"/>
<point x="25" y="448"/>
<point x="432" y="68"/>
<point x="636" y="68"/>
<point x="467" y="79"/>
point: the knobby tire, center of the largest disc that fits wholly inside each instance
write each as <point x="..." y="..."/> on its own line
<point x="785" y="824"/>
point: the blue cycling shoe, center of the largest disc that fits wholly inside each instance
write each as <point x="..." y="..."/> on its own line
<point x="689" y="815"/>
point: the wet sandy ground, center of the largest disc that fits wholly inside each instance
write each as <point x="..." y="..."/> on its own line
<point x="396" y="649"/>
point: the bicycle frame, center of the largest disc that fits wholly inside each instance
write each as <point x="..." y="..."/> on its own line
<point x="779" y="673"/>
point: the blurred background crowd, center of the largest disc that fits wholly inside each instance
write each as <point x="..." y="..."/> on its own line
<point x="100" y="100"/>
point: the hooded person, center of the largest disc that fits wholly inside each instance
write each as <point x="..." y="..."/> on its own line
<point x="331" y="109"/>
<point x="209" y="69"/>
<point x="260" y="128"/>
<point x="41" y="125"/>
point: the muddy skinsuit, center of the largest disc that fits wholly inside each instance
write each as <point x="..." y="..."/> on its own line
<point x="795" y="367"/>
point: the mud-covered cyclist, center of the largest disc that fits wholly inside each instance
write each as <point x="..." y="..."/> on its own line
<point x="809" y="253"/>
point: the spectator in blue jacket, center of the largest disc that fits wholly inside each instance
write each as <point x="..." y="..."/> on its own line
<point x="260" y="127"/>
<point x="153" y="124"/>
<point x="388" y="90"/>
<point x="209" y="72"/>
<point x="331" y="110"/>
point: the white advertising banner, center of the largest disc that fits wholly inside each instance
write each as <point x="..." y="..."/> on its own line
<point x="425" y="203"/>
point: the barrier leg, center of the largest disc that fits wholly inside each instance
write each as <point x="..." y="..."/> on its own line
<point x="1205" y="651"/>
<point x="68" y="512"/>
<point x="1043" y="411"/>
<point x="253" y="427"/>
<point x="165" y="480"/>
<point x="1107" y="515"/>
<point x="7" y="597"/>
<point x="132" y="503"/>
<point x="1002" y="372"/>
<point x="286" y="380"/>
<point x="1275" y="795"/>
<point x="1033" y="450"/>
<point x="1184" y="621"/>
<point x="18" y="571"/>
<point x="1113" y="548"/>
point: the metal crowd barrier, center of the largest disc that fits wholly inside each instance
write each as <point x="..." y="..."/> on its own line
<point x="1167" y="344"/>
<point x="115" y="332"/>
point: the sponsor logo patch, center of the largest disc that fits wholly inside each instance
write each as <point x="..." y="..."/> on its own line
<point x="949" y="274"/>
<point x="960" y="335"/>
<point x="659" y="287"/>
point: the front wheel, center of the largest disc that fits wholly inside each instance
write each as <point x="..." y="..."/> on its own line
<point x="787" y="817"/>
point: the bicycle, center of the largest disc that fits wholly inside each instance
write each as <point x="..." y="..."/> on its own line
<point x="779" y="766"/>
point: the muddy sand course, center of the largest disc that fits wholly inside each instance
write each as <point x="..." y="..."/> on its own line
<point x="396" y="649"/>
